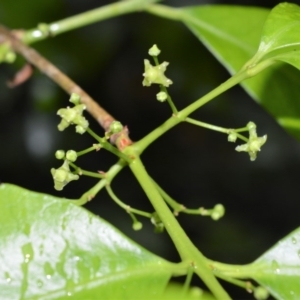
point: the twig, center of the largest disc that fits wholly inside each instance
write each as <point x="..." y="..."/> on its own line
<point x="46" y="67"/>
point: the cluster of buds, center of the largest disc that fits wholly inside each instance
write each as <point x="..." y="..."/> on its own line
<point x="62" y="176"/>
<point x="73" y="115"/>
<point x="254" y="142"/>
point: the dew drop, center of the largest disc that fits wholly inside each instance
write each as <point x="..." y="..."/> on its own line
<point x="76" y="258"/>
<point x="7" y="277"/>
<point x="27" y="252"/>
<point x="69" y="294"/>
<point x="294" y="240"/>
<point x="275" y="267"/>
<point x="48" y="276"/>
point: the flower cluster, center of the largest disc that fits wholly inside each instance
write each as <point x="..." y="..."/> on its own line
<point x="73" y="115"/>
<point x="62" y="176"/>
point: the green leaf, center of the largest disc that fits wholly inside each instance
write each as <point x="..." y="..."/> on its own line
<point x="280" y="37"/>
<point x="51" y="248"/>
<point x="279" y="268"/>
<point x="232" y="34"/>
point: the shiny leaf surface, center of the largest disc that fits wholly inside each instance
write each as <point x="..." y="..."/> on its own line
<point x="280" y="37"/>
<point x="51" y="249"/>
<point x="279" y="268"/>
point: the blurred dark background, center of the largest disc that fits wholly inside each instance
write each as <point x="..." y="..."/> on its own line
<point x="196" y="166"/>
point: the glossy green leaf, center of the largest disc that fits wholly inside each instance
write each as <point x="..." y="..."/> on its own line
<point x="280" y="37"/>
<point x="279" y="268"/>
<point x="51" y="249"/>
<point x="233" y="34"/>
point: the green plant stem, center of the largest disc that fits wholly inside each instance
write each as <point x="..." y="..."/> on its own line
<point x="188" y="280"/>
<point x="142" y="144"/>
<point x="236" y="271"/>
<point x="109" y="175"/>
<point x="95" y="147"/>
<point x="186" y="249"/>
<point x="99" y="14"/>
<point x="109" y="147"/>
<point x="126" y="207"/>
<point x="219" y="129"/>
<point x="80" y="171"/>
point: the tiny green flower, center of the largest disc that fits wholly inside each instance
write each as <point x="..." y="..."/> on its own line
<point x="155" y="74"/>
<point x="62" y="176"/>
<point x="154" y="51"/>
<point x="254" y="143"/>
<point x="162" y="96"/>
<point x="73" y="116"/>
<point x="71" y="155"/>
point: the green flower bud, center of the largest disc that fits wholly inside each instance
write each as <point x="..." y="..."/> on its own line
<point x="44" y="29"/>
<point x="260" y="293"/>
<point x="75" y="99"/>
<point x="137" y="226"/>
<point x="155" y="74"/>
<point x="162" y="96"/>
<point x="60" y="154"/>
<point x="79" y="129"/>
<point x="71" y="155"/>
<point x="232" y="136"/>
<point x="115" y="127"/>
<point x="10" y="57"/>
<point x="156" y="221"/>
<point x="62" y="176"/>
<point x="218" y="212"/>
<point x="154" y="51"/>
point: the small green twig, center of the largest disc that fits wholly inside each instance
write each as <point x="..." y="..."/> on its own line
<point x="95" y="147"/>
<point x="219" y="129"/>
<point x="119" y="8"/>
<point x="108" y="176"/>
<point x="247" y="285"/>
<point x="80" y="171"/>
<point x="126" y="207"/>
<point x="188" y="280"/>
